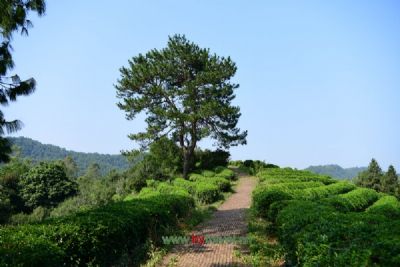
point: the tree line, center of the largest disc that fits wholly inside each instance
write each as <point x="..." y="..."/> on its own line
<point x="386" y="182"/>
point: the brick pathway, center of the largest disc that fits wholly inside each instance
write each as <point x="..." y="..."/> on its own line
<point x="228" y="220"/>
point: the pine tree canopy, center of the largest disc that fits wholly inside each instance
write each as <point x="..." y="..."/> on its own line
<point x="186" y="94"/>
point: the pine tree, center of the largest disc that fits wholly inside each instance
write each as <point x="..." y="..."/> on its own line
<point x="371" y="178"/>
<point x="390" y="181"/>
<point x="13" y="17"/>
<point x="186" y="93"/>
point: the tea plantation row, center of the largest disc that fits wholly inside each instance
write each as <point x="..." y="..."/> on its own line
<point x="323" y="222"/>
<point x="114" y="233"/>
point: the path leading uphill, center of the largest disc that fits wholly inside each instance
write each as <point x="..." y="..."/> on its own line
<point x="228" y="220"/>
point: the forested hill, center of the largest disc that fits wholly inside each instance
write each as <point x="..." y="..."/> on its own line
<point x="37" y="151"/>
<point x="336" y="171"/>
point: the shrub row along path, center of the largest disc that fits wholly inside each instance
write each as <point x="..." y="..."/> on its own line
<point x="228" y="220"/>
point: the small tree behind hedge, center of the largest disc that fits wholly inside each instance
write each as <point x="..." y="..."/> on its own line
<point x="46" y="185"/>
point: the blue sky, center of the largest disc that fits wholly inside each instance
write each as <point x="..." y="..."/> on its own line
<point x="319" y="80"/>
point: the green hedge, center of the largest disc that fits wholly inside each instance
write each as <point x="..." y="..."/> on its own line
<point x="97" y="237"/>
<point x="349" y="239"/>
<point x="316" y="193"/>
<point x="225" y="173"/>
<point x="356" y="200"/>
<point x="388" y="206"/>
<point x="314" y="234"/>
<point x="195" y="176"/>
<point x="207" y="193"/>
<point x="263" y="197"/>
<point x="186" y="184"/>
<point x="325" y="225"/>
<point x="207" y="173"/>
<point x="276" y="175"/>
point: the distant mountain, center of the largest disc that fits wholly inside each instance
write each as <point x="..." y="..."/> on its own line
<point x="336" y="171"/>
<point x="37" y="151"/>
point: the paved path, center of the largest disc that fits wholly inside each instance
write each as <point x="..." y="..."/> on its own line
<point x="228" y="220"/>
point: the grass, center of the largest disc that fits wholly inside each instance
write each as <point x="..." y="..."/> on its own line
<point x="263" y="246"/>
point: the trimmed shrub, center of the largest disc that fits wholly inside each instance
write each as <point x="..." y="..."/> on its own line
<point x="263" y="197"/>
<point x="349" y="239"/>
<point x="356" y="200"/>
<point x="223" y="184"/>
<point x="323" y="191"/>
<point x="207" y="173"/>
<point x="288" y="175"/>
<point x="388" y="206"/>
<point x="97" y="237"/>
<point x="188" y="185"/>
<point x="292" y="219"/>
<point x="207" y="193"/>
<point x="195" y="176"/>
<point x="226" y="173"/>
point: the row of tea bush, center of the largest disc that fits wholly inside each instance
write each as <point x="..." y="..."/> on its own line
<point x="323" y="222"/>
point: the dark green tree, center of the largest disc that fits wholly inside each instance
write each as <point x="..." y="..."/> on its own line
<point x="46" y="185"/>
<point x="13" y="17"/>
<point x="165" y="156"/>
<point x="10" y="175"/>
<point x="390" y="181"/>
<point x="186" y="93"/>
<point x="71" y="168"/>
<point x="372" y="177"/>
<point x="93" y="171"/>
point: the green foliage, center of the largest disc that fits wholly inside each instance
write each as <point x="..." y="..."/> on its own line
<point x="390" y="181"/>
<point x="46" y="185"/>
<point x="205" y="189"/>
<point x="388" y="206"/>
<point x="207" y="192"/>
<point x="5" y="149"/>
<point x="371" y="178"/>
<point x="13" y="17"/>
<point x="356" y="200"/>
<point x="275" y="175"/>
<point x="38" y="152"/>
<point x="347" y="239"/>
<point x="195" y="177"/>
<point x="323" y="223"/>
<point x="207" y="173"/>
<point x="71" y="169"/>
<point x="186" y="94"/>
<point x="336" y="171"/>
<point x="37" y="215"/>
<point x="225" y="173"/>
<point x="223" y="184"/>
<point x="166" y="157"/>
<point x="263" y="196"/>
<point x="188" y="185"/>
<point x="96" y="237"/>
<point x="11" y="201"/>
<point x="255" y="166"/>
<point x="208" y="160"/>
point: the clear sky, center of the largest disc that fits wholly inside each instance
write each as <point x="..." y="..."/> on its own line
<point x="319" y="80"/>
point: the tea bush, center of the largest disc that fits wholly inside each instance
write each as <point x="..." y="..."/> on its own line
<point x="388" y="206"/>
<point x="321" y="222"/>
<point x="97" y="237"/>
<point x="264" y="196"/>
<point x="356" y="200"/>
<point x="207" y="193"/>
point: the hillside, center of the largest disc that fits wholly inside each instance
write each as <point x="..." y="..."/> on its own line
<point x="336" y="171"/>
<point x="37" y="151"/>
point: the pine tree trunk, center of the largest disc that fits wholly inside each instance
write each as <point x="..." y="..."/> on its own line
<point x="187" y="159"/>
